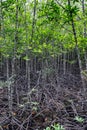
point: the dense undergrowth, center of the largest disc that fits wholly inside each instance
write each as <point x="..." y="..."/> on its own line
<point x="53" y="105"/>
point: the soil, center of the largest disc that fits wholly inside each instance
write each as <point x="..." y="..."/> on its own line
<point x="55" y="102"/>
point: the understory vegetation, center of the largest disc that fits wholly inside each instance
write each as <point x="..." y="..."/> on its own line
<point x="43" y="65"/>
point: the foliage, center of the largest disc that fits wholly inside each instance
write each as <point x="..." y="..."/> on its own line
<point x="55" y="127"/>
<point x="50" y="32"/>
<point x="79" y="119"/>
<point x="48" y="128"/>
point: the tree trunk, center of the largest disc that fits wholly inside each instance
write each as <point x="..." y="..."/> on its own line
<point x="64" y="63"/>
<point x="10" y="101"/>
<point x="84" y="31"/>
<point x="77" y="49"/>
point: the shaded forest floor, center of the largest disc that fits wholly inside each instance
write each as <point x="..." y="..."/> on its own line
<point x="58" y="99"/>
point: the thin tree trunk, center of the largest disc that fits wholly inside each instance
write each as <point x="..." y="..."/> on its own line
<point x="84" y="31"/>
<point x="85" y="55"/>
<point x="28" y="61"/>
<point x="77" y="49"/>
<point x="68" y="61"/>
<point x="64" y="63"/>
<point x="28" y="77"/>
<point x="35" y="64"/>
<point x="9" y="88"/>
<point x="14" y="71"/>
<point x="58" y="62"/>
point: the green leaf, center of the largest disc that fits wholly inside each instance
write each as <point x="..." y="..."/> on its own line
<point x="79" y="119"/>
